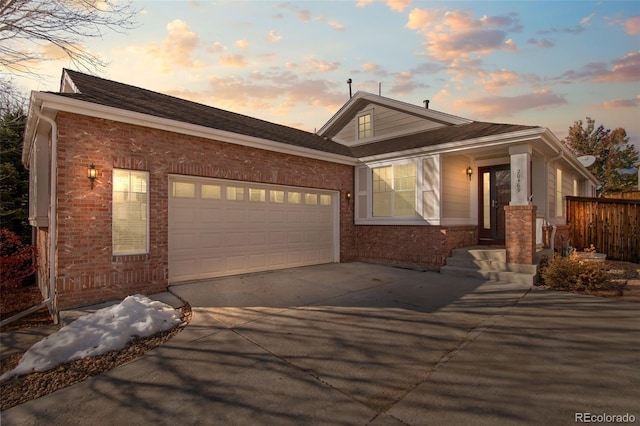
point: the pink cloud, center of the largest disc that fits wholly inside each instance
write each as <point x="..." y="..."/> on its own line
<point x="622" y="103"/>
<point x="496" y="106"/>
<point x="632" y="25"/>
<point x="233" y="60"/>
<point x="544" y="43"/>
<point x="625" y="69"/>
<point x="453" y="35"/>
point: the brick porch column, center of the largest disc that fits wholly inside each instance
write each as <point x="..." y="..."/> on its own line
<point x="520" y="238"/>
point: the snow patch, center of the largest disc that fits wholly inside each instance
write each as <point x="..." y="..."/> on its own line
<point x="105" y="330"/>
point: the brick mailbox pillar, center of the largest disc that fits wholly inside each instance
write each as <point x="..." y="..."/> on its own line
<point x="520" y="238"/>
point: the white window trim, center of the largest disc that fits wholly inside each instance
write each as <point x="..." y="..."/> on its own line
<point x="368" y="218"/>
<point x="357" y="123"/>
<point x="146" y="251"/>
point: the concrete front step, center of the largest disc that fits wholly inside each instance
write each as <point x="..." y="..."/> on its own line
<point x="491" y="275"/>
<point x="488" y="263"/>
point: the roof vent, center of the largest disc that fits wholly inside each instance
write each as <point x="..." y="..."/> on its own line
<point x="426" y="103"/>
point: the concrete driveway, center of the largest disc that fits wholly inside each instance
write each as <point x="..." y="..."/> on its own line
<point x="355" y="343"/>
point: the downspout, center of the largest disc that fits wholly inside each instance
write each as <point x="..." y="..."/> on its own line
<point x="51" y="301"/>
<point x="53" y="219"/>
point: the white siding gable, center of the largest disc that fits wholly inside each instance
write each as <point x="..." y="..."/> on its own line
<point x="387" y="123"/>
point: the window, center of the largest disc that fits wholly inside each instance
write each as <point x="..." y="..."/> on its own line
<point x="311" y="199"/>
<point x="294" y="197"/>
<point x="559" y="200"/>
<point x="259" y="195"/>
<point x="130" y="225"/>
<point x="212" y="192"/>
<point x="394" y="190"/>
<point x="276" y="196"/>
<point x="235" y="193"/>
<point x="365" y="129"/>
<point x="184" y="190"/>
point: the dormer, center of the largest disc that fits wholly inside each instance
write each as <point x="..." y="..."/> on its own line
<point x="368" y="118"/>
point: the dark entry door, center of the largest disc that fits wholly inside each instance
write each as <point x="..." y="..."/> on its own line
<point x="494" y="194"/>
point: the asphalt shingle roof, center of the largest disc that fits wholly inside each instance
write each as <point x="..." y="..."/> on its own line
<point x="130" y="98"/>
<point x="442" y="135"/>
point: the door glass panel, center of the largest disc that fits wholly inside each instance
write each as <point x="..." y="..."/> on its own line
<point x="486" y="200"/>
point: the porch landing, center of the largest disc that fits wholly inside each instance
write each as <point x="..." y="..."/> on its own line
<point x="490" y="263"/>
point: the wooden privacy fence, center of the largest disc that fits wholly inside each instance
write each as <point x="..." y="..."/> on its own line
<point x="611" y="225"/>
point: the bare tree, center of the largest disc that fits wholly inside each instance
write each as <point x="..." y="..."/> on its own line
<point x="29" y="27"/>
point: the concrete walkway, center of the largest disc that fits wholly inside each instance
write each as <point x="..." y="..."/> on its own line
<point x="355" y="343"/>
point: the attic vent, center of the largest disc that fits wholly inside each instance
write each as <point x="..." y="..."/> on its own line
<point x="426" y="103"/>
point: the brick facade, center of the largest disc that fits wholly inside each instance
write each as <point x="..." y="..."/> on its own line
<point x="87" y="270"/>
<point x="419" y="246"/>
<point x="520" y="238"/>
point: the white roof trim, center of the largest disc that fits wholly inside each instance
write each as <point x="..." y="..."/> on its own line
<point x="482" y="142"/>
<point x="390" y="103"/>
<point x="60" y="103"/>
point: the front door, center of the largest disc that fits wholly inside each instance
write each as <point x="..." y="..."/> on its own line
<point x="494" y="194"/>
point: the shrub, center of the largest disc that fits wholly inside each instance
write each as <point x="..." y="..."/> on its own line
<point x="575" y="274"/>
<point x="17" y="260"/>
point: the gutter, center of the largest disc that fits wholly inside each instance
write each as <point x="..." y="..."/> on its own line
<point x="51" y="301"/>
<point x="53" y="216"/>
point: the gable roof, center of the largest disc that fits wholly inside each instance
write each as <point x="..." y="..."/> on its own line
<point x="439" y="136"/>
<point x="361" y="99"/>
<point x="130" y="98"/>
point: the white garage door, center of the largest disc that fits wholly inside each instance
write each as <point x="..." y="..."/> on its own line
<point x="221" y="227"/>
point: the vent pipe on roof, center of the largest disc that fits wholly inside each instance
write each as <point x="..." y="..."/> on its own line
<point x="349" y="81"/>
<point x="426" y="103"/>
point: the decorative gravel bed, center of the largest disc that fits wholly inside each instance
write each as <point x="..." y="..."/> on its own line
<point x="20" y="389"/>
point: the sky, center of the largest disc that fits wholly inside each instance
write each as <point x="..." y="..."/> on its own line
<point x="545" y="63"/>
<point x="98" y="333"/>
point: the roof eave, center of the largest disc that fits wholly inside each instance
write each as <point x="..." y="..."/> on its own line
<point x="347" y="111"/>
<point x="60" y="103"/>
<point x="463" y="145"/>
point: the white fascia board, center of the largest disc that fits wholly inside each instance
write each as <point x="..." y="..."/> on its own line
<point x="483" y="142"/>
<point x="393" y="104"/>
<point x="58" y="103"/>
<point x="554" y="143"/>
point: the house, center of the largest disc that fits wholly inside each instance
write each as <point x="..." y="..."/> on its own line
<point x="132" y="190"/>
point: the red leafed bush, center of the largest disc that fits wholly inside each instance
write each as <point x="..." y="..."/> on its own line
<point x="17" y="260"/>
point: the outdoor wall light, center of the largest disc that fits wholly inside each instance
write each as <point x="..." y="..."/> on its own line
<point x="348" y="195"/>
<point x="469" y="172"/>
<point x="92" y="174"/>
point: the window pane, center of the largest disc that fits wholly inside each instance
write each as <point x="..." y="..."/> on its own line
<point x="294" y="197"/>
<point x="382" y="191"/>
<point x="311" y="199"/>
<point x="235" y="193"/>
<point x="325" y="200"/>
<point x="276" y="196"/>
<point x="486" y="201"/>
<point x="364" y="126"/>
<point x="259" y="195"/>
<point x="130" y="212"/>
<point x="213" y="192"/>
<point x="184" y="190"/>
<point x="382" y="204"/>
<point x="404" y="185"/>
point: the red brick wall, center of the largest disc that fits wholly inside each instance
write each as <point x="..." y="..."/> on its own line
<point x="419" y="246"/>
<point x="520" y="238"/>
<point x="87" y="271"/>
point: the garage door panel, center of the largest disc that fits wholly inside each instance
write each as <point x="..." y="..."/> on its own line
<point x="236" y="239"/>
<point x="211" y="240"/>
<point x="230" y="227"/>
<point x="257" y="238"/>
